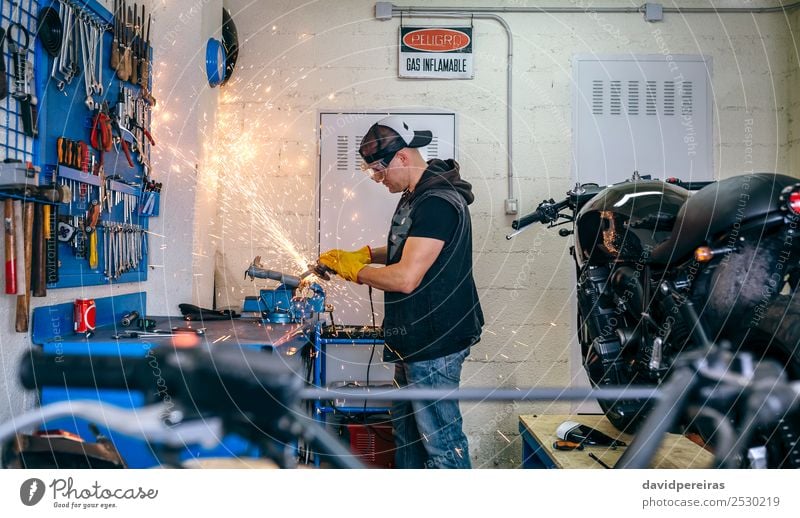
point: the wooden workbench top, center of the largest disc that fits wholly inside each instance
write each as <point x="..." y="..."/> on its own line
<point x="676" y="451"/>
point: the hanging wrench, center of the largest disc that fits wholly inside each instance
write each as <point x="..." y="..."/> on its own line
<point x="101" y="31"/>
<point x="87" y="70"/>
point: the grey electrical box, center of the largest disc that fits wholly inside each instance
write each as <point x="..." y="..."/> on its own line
<point x="641" y="113"/>
<point x="653" y="12"/>
<point x="383" y="10"/>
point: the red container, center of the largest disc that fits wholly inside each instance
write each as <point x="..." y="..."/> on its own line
<point x="84" y="314"/>
<point x="373" y="444"/>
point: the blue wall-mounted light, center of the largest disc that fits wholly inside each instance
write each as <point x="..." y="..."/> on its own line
<point x="215" y="62"/>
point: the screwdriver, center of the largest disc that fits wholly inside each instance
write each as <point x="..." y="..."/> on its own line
<point x="567" y="445"/>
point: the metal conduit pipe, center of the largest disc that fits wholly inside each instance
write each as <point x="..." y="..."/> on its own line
<point x="591" y="9"/>
<point x="488" y="13"/>
<point x="511" y="202"/>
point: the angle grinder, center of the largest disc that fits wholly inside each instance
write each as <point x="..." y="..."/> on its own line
<point x="318" y="269"/>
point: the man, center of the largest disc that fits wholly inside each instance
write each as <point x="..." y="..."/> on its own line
<point x="433" y="315"/>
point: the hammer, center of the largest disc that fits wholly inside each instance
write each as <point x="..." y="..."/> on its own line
<point x="23" y="301"/>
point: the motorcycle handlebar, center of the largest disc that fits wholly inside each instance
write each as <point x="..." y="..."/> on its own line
<point x="546" y="212"/>
<point x="524" y="221"/>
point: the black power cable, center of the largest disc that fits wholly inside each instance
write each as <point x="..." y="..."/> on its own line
<point x="371" y="354"/>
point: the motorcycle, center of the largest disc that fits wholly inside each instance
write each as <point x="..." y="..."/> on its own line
<point x="670" y="268"/>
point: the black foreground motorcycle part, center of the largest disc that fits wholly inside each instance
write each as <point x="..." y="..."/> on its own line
<point x="255" y="394"/>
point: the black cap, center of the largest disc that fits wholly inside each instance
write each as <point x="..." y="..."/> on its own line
<point x="389" y="135"/>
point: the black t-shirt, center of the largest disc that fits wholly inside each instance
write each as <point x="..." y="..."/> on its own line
<point x="434" y="218"/>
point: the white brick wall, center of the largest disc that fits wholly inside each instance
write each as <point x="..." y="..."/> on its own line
<point x="297" y="59"/>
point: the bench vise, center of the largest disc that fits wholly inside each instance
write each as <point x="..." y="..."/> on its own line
<point x="283" y="304"/>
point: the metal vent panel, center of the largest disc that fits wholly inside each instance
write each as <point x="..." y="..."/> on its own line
<point x="641" y="113"/>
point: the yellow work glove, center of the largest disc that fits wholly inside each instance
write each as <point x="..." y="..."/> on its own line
<point x="347" y="264"/>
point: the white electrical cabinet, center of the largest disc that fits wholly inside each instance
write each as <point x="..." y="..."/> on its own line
<point x="645" y="113"/>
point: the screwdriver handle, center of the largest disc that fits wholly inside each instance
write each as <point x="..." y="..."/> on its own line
<point x="567" y="445"/>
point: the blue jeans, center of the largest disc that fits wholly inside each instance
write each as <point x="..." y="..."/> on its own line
<point x="427" y="434"/>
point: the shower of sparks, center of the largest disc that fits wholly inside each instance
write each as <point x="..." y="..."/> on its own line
<point x="254" y="215"/>
<point x="261" y="174"/>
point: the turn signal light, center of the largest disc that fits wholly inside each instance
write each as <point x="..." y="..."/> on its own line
<point x="703" y="254"/>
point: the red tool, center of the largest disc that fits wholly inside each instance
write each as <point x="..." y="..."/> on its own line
<point x="101" y="133"/>
<point x="84" y="150"/>
<point x="125" y="149"/>
<point x="11" y="250"/>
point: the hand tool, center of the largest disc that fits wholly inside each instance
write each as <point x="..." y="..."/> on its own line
<point x="88" y="70"/>
<point x="126" y="57"/>
<point x="115" y="126"/>
<point x="196" y="330"/>
<point x="39" y="266"/>
<point x="23" y="300"/>
<point x="599" y="461"/>
<point x="158" y="333"/>
<point x="23" y="76"/>
<point x="92" y="221"/>
<point x="123" y="43"/>
<point x="93" y="258"/>
<point x="257" y="271"/>
<point x="144" y="76"/>
<point x="128" y="318"/>
<point x="52" y="244"/>
<point x="46" y="221"/>
<point x="318" y="269"/>
<point x="84" y="154"/>
<point x="59" y="66"/>
<point x="65" y="232"/>
<point x="79" y="241"/>
<point x="11" y="248"/>
<point x="3" y="78"/>
<point x="114" y="56"/>
<point x="567" y="445"/>
<point x="101" y="137"/>
<point x="134" y="77"/>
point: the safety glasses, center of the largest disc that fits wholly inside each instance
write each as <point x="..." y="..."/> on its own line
<point x="377" y="169"/>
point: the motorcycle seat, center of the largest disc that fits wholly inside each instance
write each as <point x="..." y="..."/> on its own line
<point x="718" y="207"/>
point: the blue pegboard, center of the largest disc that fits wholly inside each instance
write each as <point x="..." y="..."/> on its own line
<point x="14" y="144"/>
<point x="65" y="115"/>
